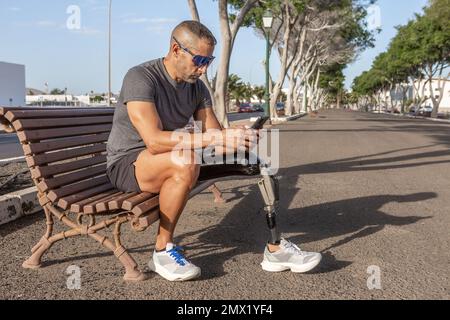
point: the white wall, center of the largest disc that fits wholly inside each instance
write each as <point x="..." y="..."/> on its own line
<point x="49" y="97"/>
<point x="445" y="102"/>
<point x="397" y="95"/>
<point x="12" y="84"/>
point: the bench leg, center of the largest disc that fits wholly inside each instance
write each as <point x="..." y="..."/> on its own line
<point x="132" y="273"/>
<point x="269" y="191"/>
<point x="34" y="262"/>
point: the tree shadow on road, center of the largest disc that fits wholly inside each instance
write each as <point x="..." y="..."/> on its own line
<point x="373" y="162"/>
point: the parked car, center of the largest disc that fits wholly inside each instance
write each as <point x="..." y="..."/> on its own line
<point x="257" y="108"/>
<point x="280" y="108"/>
<point x="412" y="109"/>
<point x="425" y="111"/>
<point x="245" y="107"/>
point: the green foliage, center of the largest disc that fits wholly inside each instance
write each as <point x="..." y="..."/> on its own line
<point x="355" y="29"/>
<point x="259" y="92"/>
<point x="238" y="90"/>
<point x="422" y="42"/>
<point x="56" y="91"/>
<point x="254" y="17"/>
<point x="97" y="99"/>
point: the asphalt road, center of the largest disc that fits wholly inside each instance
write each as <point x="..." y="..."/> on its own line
<point x="371" y="192"/>
<point x="244" y="116"/>
<point x="9" y="146"/>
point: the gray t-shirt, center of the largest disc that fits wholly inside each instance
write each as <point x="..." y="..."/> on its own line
<point x="175" y="102"/>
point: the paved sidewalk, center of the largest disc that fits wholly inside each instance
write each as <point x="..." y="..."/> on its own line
<point x="371" y="192"/>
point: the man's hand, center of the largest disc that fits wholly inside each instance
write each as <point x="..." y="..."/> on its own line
<point x="242" y="138"/>
<point x="258" y="132"/>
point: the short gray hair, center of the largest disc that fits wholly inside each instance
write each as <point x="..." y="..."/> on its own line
<point x="197" y="29"/>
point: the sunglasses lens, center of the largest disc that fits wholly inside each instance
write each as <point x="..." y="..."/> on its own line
<point x="201" y="61"/>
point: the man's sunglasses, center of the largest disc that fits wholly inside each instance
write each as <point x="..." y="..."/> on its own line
<point x="198" y="60"/>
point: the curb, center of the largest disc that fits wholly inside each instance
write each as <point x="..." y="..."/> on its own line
<point x="429" y="119"/>
<point x="18" y="204"/>
<point x="291" y="118"/>
<point x="414" y="117"/>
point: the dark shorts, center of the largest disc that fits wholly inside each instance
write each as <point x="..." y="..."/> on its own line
<point x="122" y="173"/>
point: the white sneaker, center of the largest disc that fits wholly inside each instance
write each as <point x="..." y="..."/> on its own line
<point x="172" y="265"/>
<point x="289" y="256"/>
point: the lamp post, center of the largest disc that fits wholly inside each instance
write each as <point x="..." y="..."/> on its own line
<point x="65" y="95"/>
<point x="109" y="53"/>
<point x="267" y="22"/>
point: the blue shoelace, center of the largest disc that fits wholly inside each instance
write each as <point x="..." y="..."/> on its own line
<point x="176" y="254"/>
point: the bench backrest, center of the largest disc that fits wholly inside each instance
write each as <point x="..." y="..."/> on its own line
<point x="65" y="150"/>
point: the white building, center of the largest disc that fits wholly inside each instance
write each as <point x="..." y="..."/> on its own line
<point x="444" y="106"/>
<point x="421" y="88"/>
<point x="64" y="100"/>
<point x="12" y="84"/>
<point x="59" y="98"/>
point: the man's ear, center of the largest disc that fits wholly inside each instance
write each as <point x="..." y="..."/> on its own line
<point x="175" y="49"/>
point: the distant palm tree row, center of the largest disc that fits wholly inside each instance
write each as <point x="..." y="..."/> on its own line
<point x="239" y="91"/>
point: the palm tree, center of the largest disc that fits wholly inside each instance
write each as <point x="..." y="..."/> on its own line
<point x="236" y="89"/>
<point x="259" y="92"/>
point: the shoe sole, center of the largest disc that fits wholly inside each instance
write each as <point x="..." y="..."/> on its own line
<point x="277" y="267"/>
<point x="168" y="276"/>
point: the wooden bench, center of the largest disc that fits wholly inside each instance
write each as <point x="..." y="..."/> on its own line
<point x="65" y="150"/>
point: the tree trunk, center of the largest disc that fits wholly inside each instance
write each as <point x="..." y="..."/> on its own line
<point x="441" y="87"/>
<point x="193" y="9"/>
<point x="286" y="60"/>
<point x="290" y="95"/>
<point x="220" y="86"/>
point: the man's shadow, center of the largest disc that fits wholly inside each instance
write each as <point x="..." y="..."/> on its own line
<point x="244" y="229"/>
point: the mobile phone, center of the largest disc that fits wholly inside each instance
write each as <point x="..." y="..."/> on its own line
<point x="259" y="124"/>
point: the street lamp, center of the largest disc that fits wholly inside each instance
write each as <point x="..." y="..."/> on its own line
<point x="109" y="53"/>
<point x="267" y="22"/>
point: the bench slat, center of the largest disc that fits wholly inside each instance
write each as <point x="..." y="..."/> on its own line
<point x="36" y="148"/>
<point x="49" y="184"/>
<point x="13" y="115"/>
<point x="47" y="158"/>
<point x="91" y="207"/>
<point x="43" y="172"/>
<point x="38" y="135"/>
<point x="78" y="207"/>
<point x="4" y="110"/>
<point x="146" y="206"/>
<point x="64" y="203"/>
<point x="114" y="204"/>
<point x="55" y="195"/>
<point x="25" y="124"/>
<point x="130" y="203"/>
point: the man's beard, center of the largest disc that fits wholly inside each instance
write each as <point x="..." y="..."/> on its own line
<point x="192" y="79"/>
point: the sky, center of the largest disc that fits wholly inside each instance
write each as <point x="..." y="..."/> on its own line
<point x="73" y="54"/>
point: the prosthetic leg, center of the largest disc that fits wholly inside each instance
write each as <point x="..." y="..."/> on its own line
<point x="269" y="188"/>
